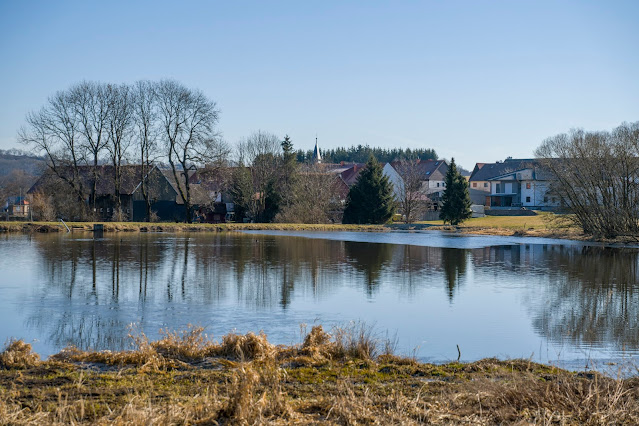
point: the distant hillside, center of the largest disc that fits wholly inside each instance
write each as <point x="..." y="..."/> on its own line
<point x="14" y="159"/>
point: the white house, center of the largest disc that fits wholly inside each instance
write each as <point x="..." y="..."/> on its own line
<point x="513" y="183"/>
<point x="432" y="175"/>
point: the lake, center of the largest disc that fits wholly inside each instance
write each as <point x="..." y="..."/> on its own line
<point x="562" y="302"/>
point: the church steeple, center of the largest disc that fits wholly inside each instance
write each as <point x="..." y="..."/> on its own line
<point x="317" y="157"/>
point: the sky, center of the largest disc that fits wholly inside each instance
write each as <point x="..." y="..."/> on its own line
<point x="475" y="80"/>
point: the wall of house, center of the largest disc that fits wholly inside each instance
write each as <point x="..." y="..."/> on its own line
<point x="395" y="179"/>
<point x="478" y="191"/>
<point x="505" y="187"/>
<point x="158" y="187"/>
<point x="534" y="194"/>
<point x="434" y="188"/>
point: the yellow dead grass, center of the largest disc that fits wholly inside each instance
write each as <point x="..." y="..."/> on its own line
<point x="331" y="378"/>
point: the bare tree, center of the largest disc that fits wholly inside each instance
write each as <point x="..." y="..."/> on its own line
<point x="411" y="197"/>
<point x="188" y="120"/>
<point x="596" y="175"/>
<point x="145" y="115"/>
<point x="55" y="131"/>
<point x="91" y="108"/>
<point x="261" y="153"/>
<point x="313" y="198"/>
<point x="119" y="132"/>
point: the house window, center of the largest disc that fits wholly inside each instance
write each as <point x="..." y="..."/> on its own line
<point x="545" y="199"/>
<point x="474" y="184"/>
<point x="497" y="188"/>
<point x="485" y="184"/>
<point x="527" y="185"/>
<point x="101" y="209"/>
<point x="528" y="199"/>
<point x="437" y="184"/>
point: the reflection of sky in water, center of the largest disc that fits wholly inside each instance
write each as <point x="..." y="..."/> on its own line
<point x="492" y="296"/>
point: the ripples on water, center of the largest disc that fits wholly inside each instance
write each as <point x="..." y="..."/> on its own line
<point x="493" y="296"/>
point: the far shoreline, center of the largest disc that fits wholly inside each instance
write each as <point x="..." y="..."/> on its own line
<point x="517" y="226"/>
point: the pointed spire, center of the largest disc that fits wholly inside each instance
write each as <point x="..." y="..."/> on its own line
<point x="317" y="157"/>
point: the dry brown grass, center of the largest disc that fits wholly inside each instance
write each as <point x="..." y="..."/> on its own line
<point x="18" y="355"/>
<point x="30" y="227"/>
<point x="332" y="378"/>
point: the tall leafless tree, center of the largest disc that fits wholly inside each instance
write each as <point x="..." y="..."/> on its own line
<point x="119" y="132"/>
<point x="188" y="120"/>
<point x="411" y="197"/>
<point x="261" y="153"/>
<point x="596" y="175"/>
<point x="145" y="115"/>
<point x="55" y="131"/>
<point x="91" y="104"/>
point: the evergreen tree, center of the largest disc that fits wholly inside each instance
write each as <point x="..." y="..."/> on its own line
<point x="289" y="174"/>
<point x="456" y="199"/>
<point x="370" y="199"/>
<point x="242" y="192"/>
<point x="272" y="202"/>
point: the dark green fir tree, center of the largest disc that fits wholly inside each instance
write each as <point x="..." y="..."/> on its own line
<point x="370" y="199"/>
<point x="456" y="199"/>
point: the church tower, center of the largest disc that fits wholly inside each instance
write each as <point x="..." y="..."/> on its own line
<point x="317" y="157"/>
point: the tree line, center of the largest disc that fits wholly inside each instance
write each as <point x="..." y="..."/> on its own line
<point x="361" y="153"/>
<point x="150" y="123"/>
<point x="143" y="123"/>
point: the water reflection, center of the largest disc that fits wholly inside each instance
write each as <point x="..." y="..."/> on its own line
<point x="454" y="263"/>
<point x="589" y="297"/>
<point x="89" y="290"/>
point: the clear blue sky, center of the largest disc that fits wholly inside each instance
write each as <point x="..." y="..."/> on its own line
<point x="477" y="80"/>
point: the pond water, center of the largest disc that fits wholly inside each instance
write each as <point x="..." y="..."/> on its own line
<point x="552" y="301"/>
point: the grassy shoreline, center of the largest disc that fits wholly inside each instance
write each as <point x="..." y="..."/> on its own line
<point x="543" y="225"/>
<point x="337" y="378"/>
<point x="30" y="227"/>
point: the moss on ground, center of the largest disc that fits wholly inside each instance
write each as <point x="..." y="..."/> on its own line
<point x="316" y="382"/>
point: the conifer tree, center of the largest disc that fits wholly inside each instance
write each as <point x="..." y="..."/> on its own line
<point x="289" y="172"/>
<point x="456" y="199"/>
<point x="370" y="199"/>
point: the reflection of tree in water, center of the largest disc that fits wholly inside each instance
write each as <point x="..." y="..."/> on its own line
<point x="83" y="329"/>
<point x="454" y="262"/>
<point x="83" y="276"/>
<point x="588" y="294"/>
<point x="369" y="259"/>
<point x="270" y="269"/>
<point x="592" y="297"/>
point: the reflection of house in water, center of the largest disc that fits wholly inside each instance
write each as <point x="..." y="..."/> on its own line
<point x="526" y="256"/>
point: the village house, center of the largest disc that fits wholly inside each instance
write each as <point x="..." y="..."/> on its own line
<point x="161" y="192"/>
<point x="513" y="184"/>
<point x="17" y="207"/>
<point x="432" y="175"/>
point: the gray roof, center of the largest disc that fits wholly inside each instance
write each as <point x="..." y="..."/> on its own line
<point x="486" y="171"/>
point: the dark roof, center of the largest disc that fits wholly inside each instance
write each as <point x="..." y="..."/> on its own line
<point x="427" y="168"/>
<point x="350" y="175"/>
<point x="486" y="171"/>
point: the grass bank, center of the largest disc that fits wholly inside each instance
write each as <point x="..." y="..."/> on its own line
<point x="547" y="225"/>
<point x="28" y="227"/>
<point x="544" y="224"/>
<point x="345" y="377"/>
